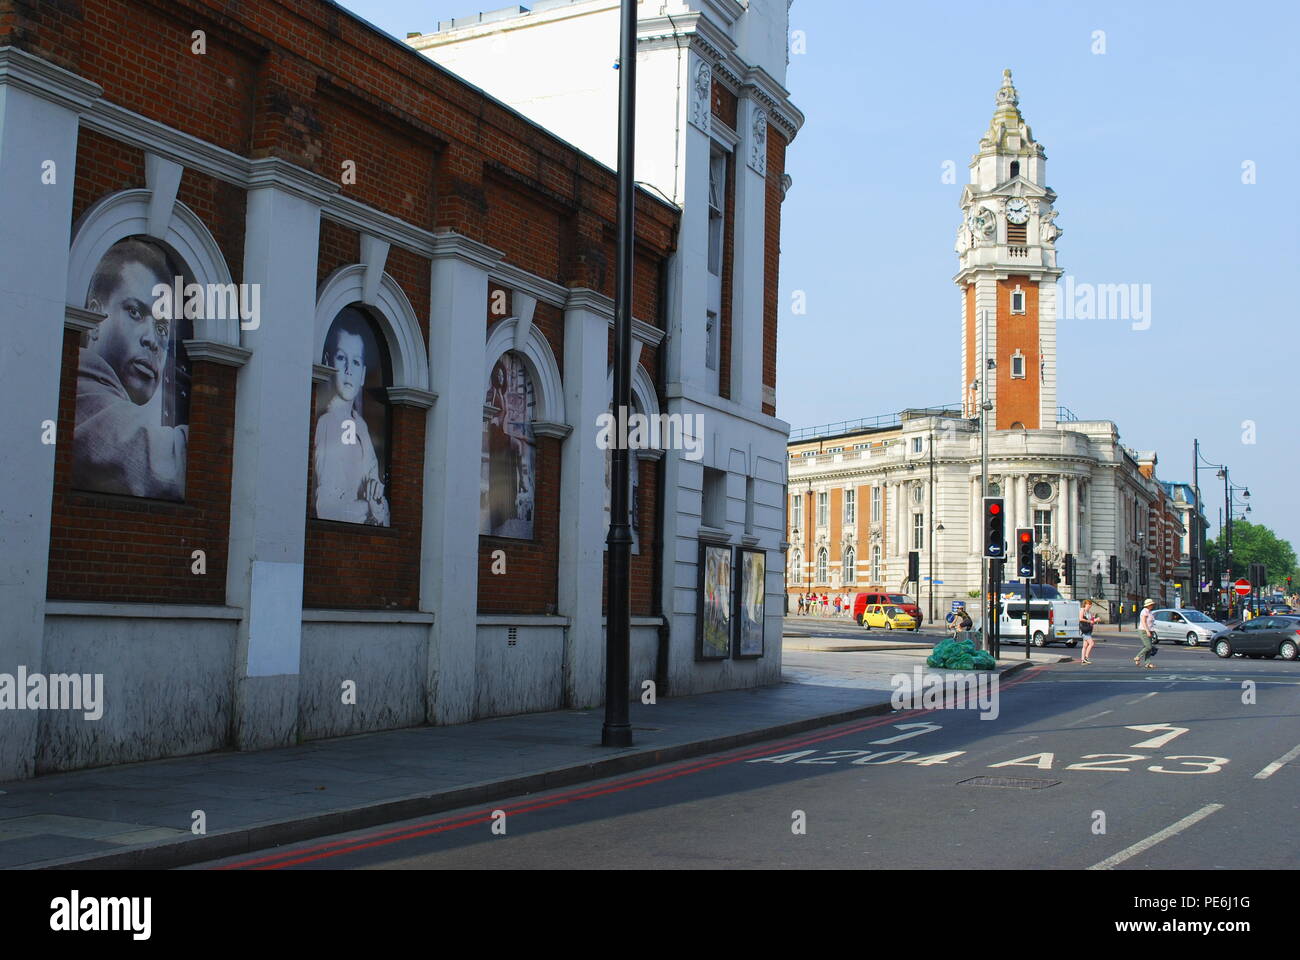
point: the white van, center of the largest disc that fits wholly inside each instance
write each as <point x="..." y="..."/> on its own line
<point x="1052" y="619"/>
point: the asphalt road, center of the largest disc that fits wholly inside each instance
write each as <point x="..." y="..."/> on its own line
<point x="1192" y="765"/>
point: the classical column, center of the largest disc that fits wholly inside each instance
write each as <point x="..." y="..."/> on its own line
<point x="269" y="470"/>
<point x="452" y="457"/>
<point x="749" y="233"/>
<point x="582" y="489"/>
<point x="39" y="109"/>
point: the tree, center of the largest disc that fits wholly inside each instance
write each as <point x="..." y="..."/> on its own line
<point x="1256" y="543"/>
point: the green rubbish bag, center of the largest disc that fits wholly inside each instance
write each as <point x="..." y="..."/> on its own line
<point x="950" y="654"/>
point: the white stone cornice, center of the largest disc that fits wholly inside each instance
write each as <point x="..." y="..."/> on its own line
<point x="32" y="74"/>
<point x="355" y="215"/>
<point x="450" y="245"/>
<point x="189" y="151"/>
<point x="547" y="428"/>
<point x="411" y="397"/>
<point x="283" y="175"/>
<point x="226" y="354"/>
<point x="724" y="134"/>
<point x="81" y="320"/>
<point x="539" y="288"/>
<point x="760" y="85"/>
<point x="584" y="298"/>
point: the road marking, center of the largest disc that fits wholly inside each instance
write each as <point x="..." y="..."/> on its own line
<point x="1278" y="764"/>
<point x="1169" y="831"/>
<point x="1086" y="719"/>
<point x="917" y="728"/>
<point x="1141" y="698"/>
<point x="1156" y="742"/>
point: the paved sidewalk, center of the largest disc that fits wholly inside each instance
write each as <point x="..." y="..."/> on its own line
<point x="140" y="815"/>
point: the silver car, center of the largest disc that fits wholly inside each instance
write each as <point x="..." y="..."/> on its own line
<point x="1186" y="626"/>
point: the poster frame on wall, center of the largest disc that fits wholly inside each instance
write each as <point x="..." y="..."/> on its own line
<point x="729" y="606"/>
<point x="738" y="576"/>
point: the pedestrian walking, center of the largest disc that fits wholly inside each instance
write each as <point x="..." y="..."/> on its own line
<point x="801" y="604"/>
<point x="1147" y="630"/>
<point x="1087" y="619"/>
<point x="837" y="605"/>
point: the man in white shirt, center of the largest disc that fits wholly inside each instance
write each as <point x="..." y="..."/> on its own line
<point x="1147" y="630"/>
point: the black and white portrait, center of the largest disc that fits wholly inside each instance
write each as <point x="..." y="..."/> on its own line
<point x="350" y="446"/>
<point x="509" y="452"/>
<point x="133" y="379"/>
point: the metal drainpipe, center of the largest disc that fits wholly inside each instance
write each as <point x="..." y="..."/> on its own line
<point x="661" y="470"/>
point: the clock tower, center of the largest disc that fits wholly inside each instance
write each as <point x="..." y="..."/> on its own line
<point x="1006" y="248"/>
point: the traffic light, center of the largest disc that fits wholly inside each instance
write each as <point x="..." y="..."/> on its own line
<point x="1040" y="568"/>
<point x="995" y="534"/>
<point x="1114" y="569"/>
<point x="914" y="566"/>
<point x="1069" y="569"/>
<point x="1025" y="552"/>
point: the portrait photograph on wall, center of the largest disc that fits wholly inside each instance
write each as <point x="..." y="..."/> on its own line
<point x="350" y="447"/>
<point x="133" y="378"/>
<point x="714" y="630"/>
<point x="509" y="452"/>
<point x="749" y="603"/>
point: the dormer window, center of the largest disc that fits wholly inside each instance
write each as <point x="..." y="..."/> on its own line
<point x="1017" y="300"/>
<point x="1017" y="365"/>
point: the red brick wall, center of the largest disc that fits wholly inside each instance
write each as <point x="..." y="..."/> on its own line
<point x="358" y="567"/>
<point x="303" y="80"/>
<point x="1018" y="399"/>
<point x="133" y="550"/>
<point x="776" y="144"/>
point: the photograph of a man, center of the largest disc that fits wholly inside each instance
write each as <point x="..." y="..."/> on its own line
<point x="132" y="421"/>
<point x="351" y="479"/>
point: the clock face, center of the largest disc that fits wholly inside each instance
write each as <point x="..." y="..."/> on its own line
<point x="1017" y="210"/>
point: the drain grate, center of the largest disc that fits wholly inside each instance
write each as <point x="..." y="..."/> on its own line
<point x="1015" y="783"/>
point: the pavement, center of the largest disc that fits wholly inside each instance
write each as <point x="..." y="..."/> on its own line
<point x="186" y="810"/>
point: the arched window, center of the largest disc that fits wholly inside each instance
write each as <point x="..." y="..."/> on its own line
<point x="350" y="445"/>
<point x="508" y="477"/>
<point x="796" y="566"/>
<point x="847" y="573"/>
<point x="875" y="564"/>
<point x="1015" y="168"/>
<point x="133" y="376"/>
<point x="822" y="566"/>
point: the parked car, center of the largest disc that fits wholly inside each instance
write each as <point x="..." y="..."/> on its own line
<point x="888" y="617"/>
<point x="878" y="596"/>
<point x="1186" y="626"/>
<point x="1266" y="637"/>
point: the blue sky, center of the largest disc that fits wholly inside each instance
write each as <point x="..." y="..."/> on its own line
<point x="1145" y="144"/>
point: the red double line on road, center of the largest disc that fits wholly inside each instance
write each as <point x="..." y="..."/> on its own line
<point x="336" y="848"/>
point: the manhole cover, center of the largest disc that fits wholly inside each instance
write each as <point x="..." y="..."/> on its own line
<point x="1015" y="783"/>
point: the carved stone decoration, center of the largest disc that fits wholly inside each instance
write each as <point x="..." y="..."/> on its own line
<point x="758" y="144"/>
<point x="701" y="98"/>
<point x="963" y="239"/>
<point x="1048" y="231"/>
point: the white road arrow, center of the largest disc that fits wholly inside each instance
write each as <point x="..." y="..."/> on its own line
<point x="917" y="728"/>
<point x="1156" y="742"/>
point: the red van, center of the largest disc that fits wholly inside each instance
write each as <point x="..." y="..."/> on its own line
<point x="880" y="595"/>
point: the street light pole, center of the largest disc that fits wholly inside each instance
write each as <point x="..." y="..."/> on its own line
<point x="617" y="731"/>
<point x="931" y="544"/>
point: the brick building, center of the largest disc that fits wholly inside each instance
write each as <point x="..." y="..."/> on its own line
<point x="867" y="493"/>
<point x="353" y="481"/>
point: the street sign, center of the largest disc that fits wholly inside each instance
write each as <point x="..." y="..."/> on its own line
<point x="1242" y="587"/>
<point x="958" y="605"/>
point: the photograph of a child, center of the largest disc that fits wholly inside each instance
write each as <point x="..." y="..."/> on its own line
<point x="350" y="448"/>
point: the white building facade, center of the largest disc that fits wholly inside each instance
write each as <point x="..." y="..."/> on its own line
<point x="913" y="481"/>
<point x="713" y="121"/>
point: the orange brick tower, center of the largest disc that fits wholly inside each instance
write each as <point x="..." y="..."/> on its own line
<point x="1006" y="246"/>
